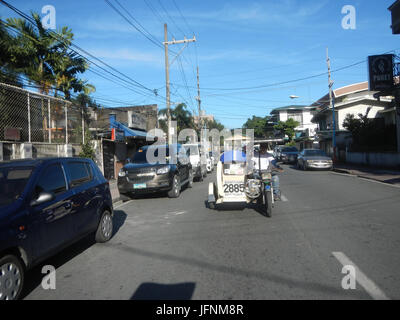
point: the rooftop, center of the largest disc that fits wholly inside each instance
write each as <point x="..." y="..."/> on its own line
<point x="292" y="107"/>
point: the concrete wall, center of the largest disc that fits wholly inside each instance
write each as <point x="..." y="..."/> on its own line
<point x="13" y="151"/>
<point x="386" y="160"/>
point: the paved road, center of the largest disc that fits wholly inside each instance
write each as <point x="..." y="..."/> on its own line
<point x="179" y="249"/>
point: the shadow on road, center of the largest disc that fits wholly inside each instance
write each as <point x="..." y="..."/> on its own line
<point x="34" y="276"/>
<point x="156" y="291"/>
<point x="234" y="271"/>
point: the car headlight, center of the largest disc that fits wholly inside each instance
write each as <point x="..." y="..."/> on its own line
<point x="122" y="173"/>
<point x="310" y="161"/>
<point x="163" y="170"/>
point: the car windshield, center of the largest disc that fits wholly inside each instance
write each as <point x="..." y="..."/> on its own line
<point x="315" y="153"/>
<point x="194" y="150"/>
<point x="147" y="155"/>
<point x="290" y="149"/>
<point x="12" y="183"/>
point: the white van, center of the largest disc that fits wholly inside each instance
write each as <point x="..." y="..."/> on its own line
<point x="197" y="159"/>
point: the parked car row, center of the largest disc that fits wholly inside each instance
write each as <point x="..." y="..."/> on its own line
<point x="154" y="169"/>
<point x="306" y="159"/>
<point x="46" y="205"/>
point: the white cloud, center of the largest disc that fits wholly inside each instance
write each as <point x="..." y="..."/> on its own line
<point x="128" y="55"/>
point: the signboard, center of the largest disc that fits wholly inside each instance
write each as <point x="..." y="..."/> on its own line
<point x="137" y="121"/>
<point x="381" y="72"/>
<point x="12" y="134"/>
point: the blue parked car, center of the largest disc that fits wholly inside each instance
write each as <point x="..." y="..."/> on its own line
<point x="46" y="205"/>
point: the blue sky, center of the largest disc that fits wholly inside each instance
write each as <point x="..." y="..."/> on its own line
<point x="240" y="44"/>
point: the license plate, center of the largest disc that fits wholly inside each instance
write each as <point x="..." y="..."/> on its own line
<point x="139" y="186"/>
<point x="233" y="188"/>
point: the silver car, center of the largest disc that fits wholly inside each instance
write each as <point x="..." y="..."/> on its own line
<point x="314" y="159"/>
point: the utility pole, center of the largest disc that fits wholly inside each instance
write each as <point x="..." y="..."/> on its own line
<point x="332" y="105"/>
<point x="167" y="82"/>
<point x="198" y="99"/>
<point x="166" y="43"/>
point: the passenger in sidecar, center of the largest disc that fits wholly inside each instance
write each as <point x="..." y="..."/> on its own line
<point x="231" y="178"/>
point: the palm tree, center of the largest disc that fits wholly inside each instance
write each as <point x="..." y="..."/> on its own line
<point x="7" y="73"/>
<point x="181" y="115"/>
<point x="36" y="51"/>
<point x="66" y="70"/>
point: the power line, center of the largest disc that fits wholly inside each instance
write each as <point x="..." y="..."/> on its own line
<point x="144" y="32"/>
<point x="59" y="38"/>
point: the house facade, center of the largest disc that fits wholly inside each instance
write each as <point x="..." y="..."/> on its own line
<point x="305" y="132"/>
<point x="354" y="99"/>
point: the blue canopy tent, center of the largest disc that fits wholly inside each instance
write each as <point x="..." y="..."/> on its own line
<point x="233" y="156"/>
<point x="128" y="132"/>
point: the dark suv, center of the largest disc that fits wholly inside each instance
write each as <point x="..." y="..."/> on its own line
<point x="289" y="154"/>
<point x="46" y="205"/>
<point x="154" y="169"/>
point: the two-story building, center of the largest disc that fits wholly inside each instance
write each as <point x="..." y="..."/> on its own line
<point x="305" y="132"/>
<point x="354" y="99"/>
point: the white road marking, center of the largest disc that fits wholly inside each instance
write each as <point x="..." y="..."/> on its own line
<point x="121" y="205"/>
<point x="283" y="198"/>
<point x="372" y="289"/>
<point x="179" y="213"/>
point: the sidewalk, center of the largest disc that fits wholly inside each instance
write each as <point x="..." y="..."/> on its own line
<point x="373" y="173"/>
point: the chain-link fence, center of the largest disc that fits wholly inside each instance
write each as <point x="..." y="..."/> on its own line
<point x="32" y="117"/>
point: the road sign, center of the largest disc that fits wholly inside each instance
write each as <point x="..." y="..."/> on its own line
<point x="381" y="72"/>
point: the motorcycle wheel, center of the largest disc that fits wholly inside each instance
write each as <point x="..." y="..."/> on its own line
<point x="268" y="203"/>
<point x="265" y="202"/>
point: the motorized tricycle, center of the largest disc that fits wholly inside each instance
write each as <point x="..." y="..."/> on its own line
<point x="239" y="182"/>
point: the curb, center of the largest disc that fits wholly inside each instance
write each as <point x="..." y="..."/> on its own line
<point x="349" y="172"/>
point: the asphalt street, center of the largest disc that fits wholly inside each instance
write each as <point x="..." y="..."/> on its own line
<point x="178" y="249"/>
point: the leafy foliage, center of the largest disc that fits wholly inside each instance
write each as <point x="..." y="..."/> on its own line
<point x="370" y="134"/>
<point x="287" y="127"/>
<point x="42" y="57"/>
<point x="261" y="126"/>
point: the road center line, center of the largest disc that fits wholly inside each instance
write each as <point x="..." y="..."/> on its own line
<point x="372" y="289"/>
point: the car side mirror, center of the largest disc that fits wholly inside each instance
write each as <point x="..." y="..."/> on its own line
<point x="42" y="198"/>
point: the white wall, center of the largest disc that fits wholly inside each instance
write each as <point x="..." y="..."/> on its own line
<point x="357" y="109"/>
<point x="283" y="116"/>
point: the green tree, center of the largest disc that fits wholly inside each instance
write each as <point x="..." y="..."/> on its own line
<point x="215" y="124"/>
<point x="36" y="52"/>
<point x="7" y="73"/>
<point x="261" y="126"/>
<point x="287" y="128"/>
<point x="181" y="115"/>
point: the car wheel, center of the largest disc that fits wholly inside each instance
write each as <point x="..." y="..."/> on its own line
<point x="304" y="167"/>
<point x="176" y="188"/>
<point x="105" y="228"/>
<point x="190" y="183"/>
<point x="11" y="277"/>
